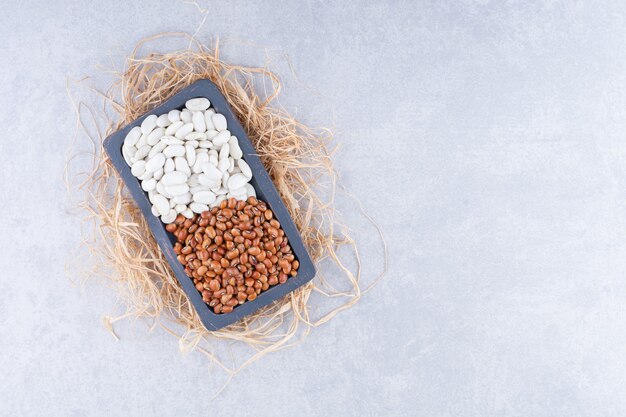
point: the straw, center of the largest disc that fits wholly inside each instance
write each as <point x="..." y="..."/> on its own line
<point x="119" y="249"/>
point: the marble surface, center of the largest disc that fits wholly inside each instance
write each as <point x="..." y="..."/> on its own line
<point x="487" y="139"/>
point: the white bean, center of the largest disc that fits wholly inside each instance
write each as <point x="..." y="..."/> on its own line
<point x="219" y="121"/>
<point x="174" y="150"/>
<point x="223" y="165"/>
<point x="155" y="136"/>
<point x="198" y="104"/>
<point x="163" y="121"/>
<point x="208" y="119"/>
<point x="177" y="189"/>
<point x="143" y="140"/>
<point x="132" y="136"/>
<point x="148" y="124"/>
<point x="186" y="116"/>
<point x="156" y="149"/>
<point x="128" y="152"/>
<point x="171" y="140"/>
<point x="198" y="208"/>
<point x="155" y="163"/>
<point x="181" y="165"/>
<point x="208" y="182"/>
<point x="204" y="197"/>
<point x="238" y="193"/>
<point x="142" y="152"/>
<point x="138" y="168"/>
<point x="235" y="150"/>
<point x="169" y="165"/>
<point x="184" y="130"/>
<point x="183" y="198"/>
<point x="148" y="185"/>
<point x="161" y="204"/>
<point x="201" y="158"/>
<point x="198" y="188"/>
<point x="250" y="191"/>
<point x="193" y="180"/>
<point x="236" y="181"/>
<point x="211" y="171"/>
<point x="211" y="134"/>
<point x="160" y="187"/>
<point x="224" y="152"/>
<point x="174" y="115"/>
<point x="213" y="158"/>
<point x="169" y="217"/>
<point x="221" y="138"/>
<point x="171" y="129"/>
<point x="196" y="136"/>
<point x="145" y="176"/>
<point x="190" y="154"/>
<point x="198" y="122"/>
<point x="174" y="177"/>
<point x="245" y="168"/>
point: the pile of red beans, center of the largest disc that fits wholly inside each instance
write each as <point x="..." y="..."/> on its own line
<point x="233" y="252"/>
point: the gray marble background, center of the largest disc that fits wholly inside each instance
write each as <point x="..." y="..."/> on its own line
<point x="487" y="139"/>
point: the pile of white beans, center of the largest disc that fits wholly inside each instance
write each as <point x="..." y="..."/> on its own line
<point x="187" y="161"/>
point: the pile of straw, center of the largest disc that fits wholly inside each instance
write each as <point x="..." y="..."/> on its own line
<point x="298" y="159"/>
